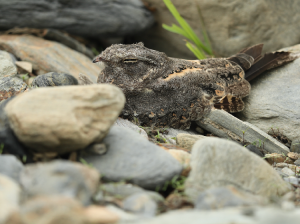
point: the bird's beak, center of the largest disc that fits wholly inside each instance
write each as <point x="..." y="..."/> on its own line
<point x="97" y="59"/>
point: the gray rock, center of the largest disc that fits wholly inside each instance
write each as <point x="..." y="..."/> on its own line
<point x="235" y="31"/>
<point x="131" y="157"/>
<point x="222" y="197"/>
<point x="172" y="134"/>
<point x="54" y="79"/>
<point x="297" y="162"/>
<point x="85" y="18"/>
<point x="140" y="204"/>
<point x="255" y="150"/>
<point x="291" y="180"/>
<point x="11" y="86"/>
<point x="7" y="66"/>
<point x="60" y="178"/>
<point x="127" y="124"/>
<point x="288" y="171"/>
<point x="9" y="197"/>
<point x="225" y="125"/>
<point x="187" y="141"/>
<point x="218" y="162"/>
<point x="11" y="167"/>
<point x="295" y="147"/>
<point x="258" y="215"/>
<point x="122" y="190"/>
<point x="266" y="107"/>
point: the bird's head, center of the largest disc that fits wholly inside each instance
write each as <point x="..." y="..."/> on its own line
<point x="134" y="60"/>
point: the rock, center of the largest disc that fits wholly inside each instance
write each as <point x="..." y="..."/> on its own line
<point x="50" y="210"/>
<point x="24" y="67"/>
<point x="225" y="125"/>
<point x="11" y="167"/>
<point x="297" y="162"/>
<point x="257" y="215"/>
<point x="288" y="171"/>
<point x="295" y="147"/>
<point x="183" y="158"/>
<point x="122" y="190"/>
<point x="133" y="158"/>
<point x="230" y="34"/>
<point x="291" y="180"/>
<point x="7" y="137"/>
<point x="60" y="178"/>
<point x="99" y="214"/>
<point x="127" y="124"/>
<point x="9" y="197"/>
<point x="58" y="58"/>
<point x="229" y="196"/>
<point x="275" y="158"/>
<point x="199" y="130"/>
<point x="76" y="116"/>
<point x="7" y="66"/>
<point x="217" y="163"/>
<point x="187" y="141"/>
<point x="255" y="150"/>
<point x="11" y="86"/>
<point x="172" y="133"/>
<point x="140" y="204"/>
<point x="79" y="17"/>
<point x="282" y="165"/>
<point x="178" y="201"/>
<point x="293" y="155"/>
<point x="266" y="107"/>
<point x="54" y="79"/>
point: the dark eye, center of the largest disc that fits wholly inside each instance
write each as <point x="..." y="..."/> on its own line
<point x="130" y="60"/>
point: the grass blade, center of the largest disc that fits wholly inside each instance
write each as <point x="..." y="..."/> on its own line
<point x="197" y="52"/>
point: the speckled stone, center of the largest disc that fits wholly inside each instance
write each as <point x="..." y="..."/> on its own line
<point x="54" y="79"/>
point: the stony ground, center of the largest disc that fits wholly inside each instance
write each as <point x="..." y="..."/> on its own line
<point x="66" y="157"/>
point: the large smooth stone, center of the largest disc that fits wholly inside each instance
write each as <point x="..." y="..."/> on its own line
<point x="49" y="56"/>
<point x="218" y="163"/>
<point x="7" y="66"/>
<point x="97" y="19"/>
<point x="60" y="178"/>
<point x="132" y="158"/>
<point x="274" y="101"/>
<point x="66" y="118"/>
<point x="231" y="25"/>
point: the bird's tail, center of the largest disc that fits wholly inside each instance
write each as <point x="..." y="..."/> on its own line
<point x="253" y="63"/>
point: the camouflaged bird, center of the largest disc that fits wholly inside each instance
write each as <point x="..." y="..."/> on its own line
<point x="170" y="92"/>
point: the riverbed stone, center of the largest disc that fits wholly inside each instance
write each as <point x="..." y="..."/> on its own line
<point x="11" y="86"/>
<point x="49" y="56"/>
<point x="132" y="158"/>
<point x="66" y="118"/>
<point x="60" y="178"/>
<point x="10" y="166"/>
<point x="218" y="162"/>
<point x="7" y="66"/>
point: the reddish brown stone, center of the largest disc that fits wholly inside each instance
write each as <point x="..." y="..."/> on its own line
<point x="49" y="56"/>
<point x="11" y="86"/>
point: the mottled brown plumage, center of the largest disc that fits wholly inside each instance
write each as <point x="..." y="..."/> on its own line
<point x="164" y="91"/>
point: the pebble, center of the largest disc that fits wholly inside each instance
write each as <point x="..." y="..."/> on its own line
<point x="10" y="193"/>
<point x="295" y="147"/>
<point x="10" y="166"/>
<point x="293" y="155"/>
<point x="127" y="124"/>
<point x="212" y="167"/>
<point x="291" y="180"/>
<point x="11" y="86"/>
<point x="254" y="149"/>
<point x="140" y="204"/>
<point x="54" y="79"/>
<point x="229" y="196"/>
<point x="282" y="165"/>
<point x="7" y="66"/>
<point x="60" y="178"/>
<point x="66" y="118"/>
<point x="133" y="158"/>
<point x="288" y="171"/>
<point x="187" y="140"/>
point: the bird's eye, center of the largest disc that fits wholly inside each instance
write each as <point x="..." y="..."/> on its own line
<point x="130" y="60"/>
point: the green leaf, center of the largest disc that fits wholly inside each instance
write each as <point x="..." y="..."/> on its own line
<point x="197" y="52"/>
